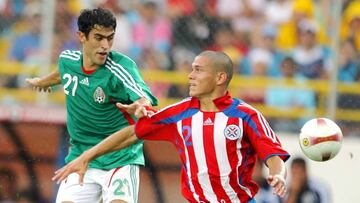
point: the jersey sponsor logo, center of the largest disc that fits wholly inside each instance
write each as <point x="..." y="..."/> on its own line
<point x="99" y="95"/>
<point x="85" y="81"/>
<point x="208" y="122"/>
<point x="232" y="132"/>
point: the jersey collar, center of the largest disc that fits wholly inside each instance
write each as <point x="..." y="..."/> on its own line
<point x="221" y="103"/>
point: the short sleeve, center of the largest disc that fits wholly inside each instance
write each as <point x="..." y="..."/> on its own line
<point x="151" y="129"/>
<point x="263" y="138"/>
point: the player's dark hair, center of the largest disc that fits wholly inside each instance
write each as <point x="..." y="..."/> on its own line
<point x="99" y="16"/>
<point x="299" y="162"/>
<point x="222" y="62"/>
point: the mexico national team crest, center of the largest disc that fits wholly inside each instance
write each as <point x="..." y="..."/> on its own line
<point x="232" y="132"/>
<point x="99" y="95"/>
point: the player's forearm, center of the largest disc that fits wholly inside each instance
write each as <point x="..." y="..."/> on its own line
<point x="276" y="166"/>
<point x="114" y="142"/>
<point x="51" y="79"/>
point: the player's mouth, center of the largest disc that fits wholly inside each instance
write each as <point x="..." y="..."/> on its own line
<point x="102" y="54"/>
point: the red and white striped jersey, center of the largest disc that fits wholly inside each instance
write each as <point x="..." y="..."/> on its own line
<point x="218" y="150"/>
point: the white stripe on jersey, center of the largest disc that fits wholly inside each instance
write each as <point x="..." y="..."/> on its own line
<point x="238" y="147"/>
<point x="73" y="55"/>
<point x="221" y="155"/>
<point x="126" y="75"/>
<point x="122" y="79"/>
<point x="266" y="127"/>
<point x="188" y="169"/>
<point x="198" y="146"/>
<point x="69" y="57"/>
<point x="268" y="132"/>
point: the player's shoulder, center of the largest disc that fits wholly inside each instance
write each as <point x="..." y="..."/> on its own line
<point x="243" y="107"/>
<point x="119" y="59"/>
<point x="174" y="109"/>
<point x="70" y="56"/>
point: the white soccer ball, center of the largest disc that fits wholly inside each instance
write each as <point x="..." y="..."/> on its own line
<point x="320" y="139"/>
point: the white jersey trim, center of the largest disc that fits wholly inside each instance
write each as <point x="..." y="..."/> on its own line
<point x="123" y="80"/>
<point x="126" y="76"/>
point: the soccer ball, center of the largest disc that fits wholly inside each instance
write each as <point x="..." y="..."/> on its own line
<point x="320" y="139"/>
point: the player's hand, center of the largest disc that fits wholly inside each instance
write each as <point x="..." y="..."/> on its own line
<point x="79" y="166"/>
<point x="36" y="84"/>
<point x="278" y="184"/>
<point x="137" y="109"/>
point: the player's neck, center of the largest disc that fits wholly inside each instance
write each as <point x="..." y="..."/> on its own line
<point x="207" y="102"/>
<point x="88" y="65"/>
<point x="208" y="105"/>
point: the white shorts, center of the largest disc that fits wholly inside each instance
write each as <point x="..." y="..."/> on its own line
<point x="117" y="184"/>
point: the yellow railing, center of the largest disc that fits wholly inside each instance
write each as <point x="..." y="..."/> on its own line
<point x="239" y="82"/>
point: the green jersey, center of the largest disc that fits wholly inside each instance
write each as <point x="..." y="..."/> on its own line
<point x="90" y="104"/>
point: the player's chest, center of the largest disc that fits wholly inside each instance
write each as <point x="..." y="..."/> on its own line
<point x="95" y="88"/>
<point x="210" y="127"/>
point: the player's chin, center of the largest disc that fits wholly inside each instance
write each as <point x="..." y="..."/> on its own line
<point x="192" y="93"/>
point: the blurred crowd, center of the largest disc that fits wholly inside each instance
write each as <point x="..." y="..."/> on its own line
<point x="272" y="38"/>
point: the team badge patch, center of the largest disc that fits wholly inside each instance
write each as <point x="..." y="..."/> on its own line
<point x="232" y="132"/>
<point x="99" y="95"/>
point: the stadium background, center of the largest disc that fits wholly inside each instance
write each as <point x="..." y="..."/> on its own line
<point x="163" y="36"/>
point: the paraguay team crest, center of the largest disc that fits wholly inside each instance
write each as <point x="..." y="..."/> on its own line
<point x="232" y="132"/>
<point x="99" y="95"/>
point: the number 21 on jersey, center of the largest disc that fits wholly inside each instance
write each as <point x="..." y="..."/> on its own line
<point x="70" y="79"/>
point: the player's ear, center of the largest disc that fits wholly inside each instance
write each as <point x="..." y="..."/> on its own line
<point x="221" y="78"/>
<point x="81" y="36"/>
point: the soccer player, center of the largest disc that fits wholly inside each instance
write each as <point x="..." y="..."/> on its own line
<point x="93" y="80"/>
<point x="218" y="138"/>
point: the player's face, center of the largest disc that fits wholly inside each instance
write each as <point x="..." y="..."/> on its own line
<point x="97" y="45"/>
<point x="202" y="79"/>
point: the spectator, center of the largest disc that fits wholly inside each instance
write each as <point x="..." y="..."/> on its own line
<point x="258" y="61"/>
<point x="303" y="188"/>
<point x="225" y="41"/>
<point x="27" y="44"/>
<point x="195" y="32"/>
<point x="282" y="97"/>
<point x="152" y="36"/>
<point x="349" y="70"/>
<point x="266" y="44"/>
<point x="278" y="12"/>
<point x="351" y="23"/>
<point x="311" y="58"/>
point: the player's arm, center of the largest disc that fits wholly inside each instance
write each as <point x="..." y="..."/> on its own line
<point x="277" y="175"/>
<point x="114" y="142"/>
<point x="44" y="83"/>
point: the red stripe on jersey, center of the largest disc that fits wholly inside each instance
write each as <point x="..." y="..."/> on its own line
<point x="113" y="175"/>
<point x="211" y="159"/>
<point x="234" y="158"/>
<point x="127" y="116"/>
<point x="187" y="138"/>
<point x="88" y="72"/>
